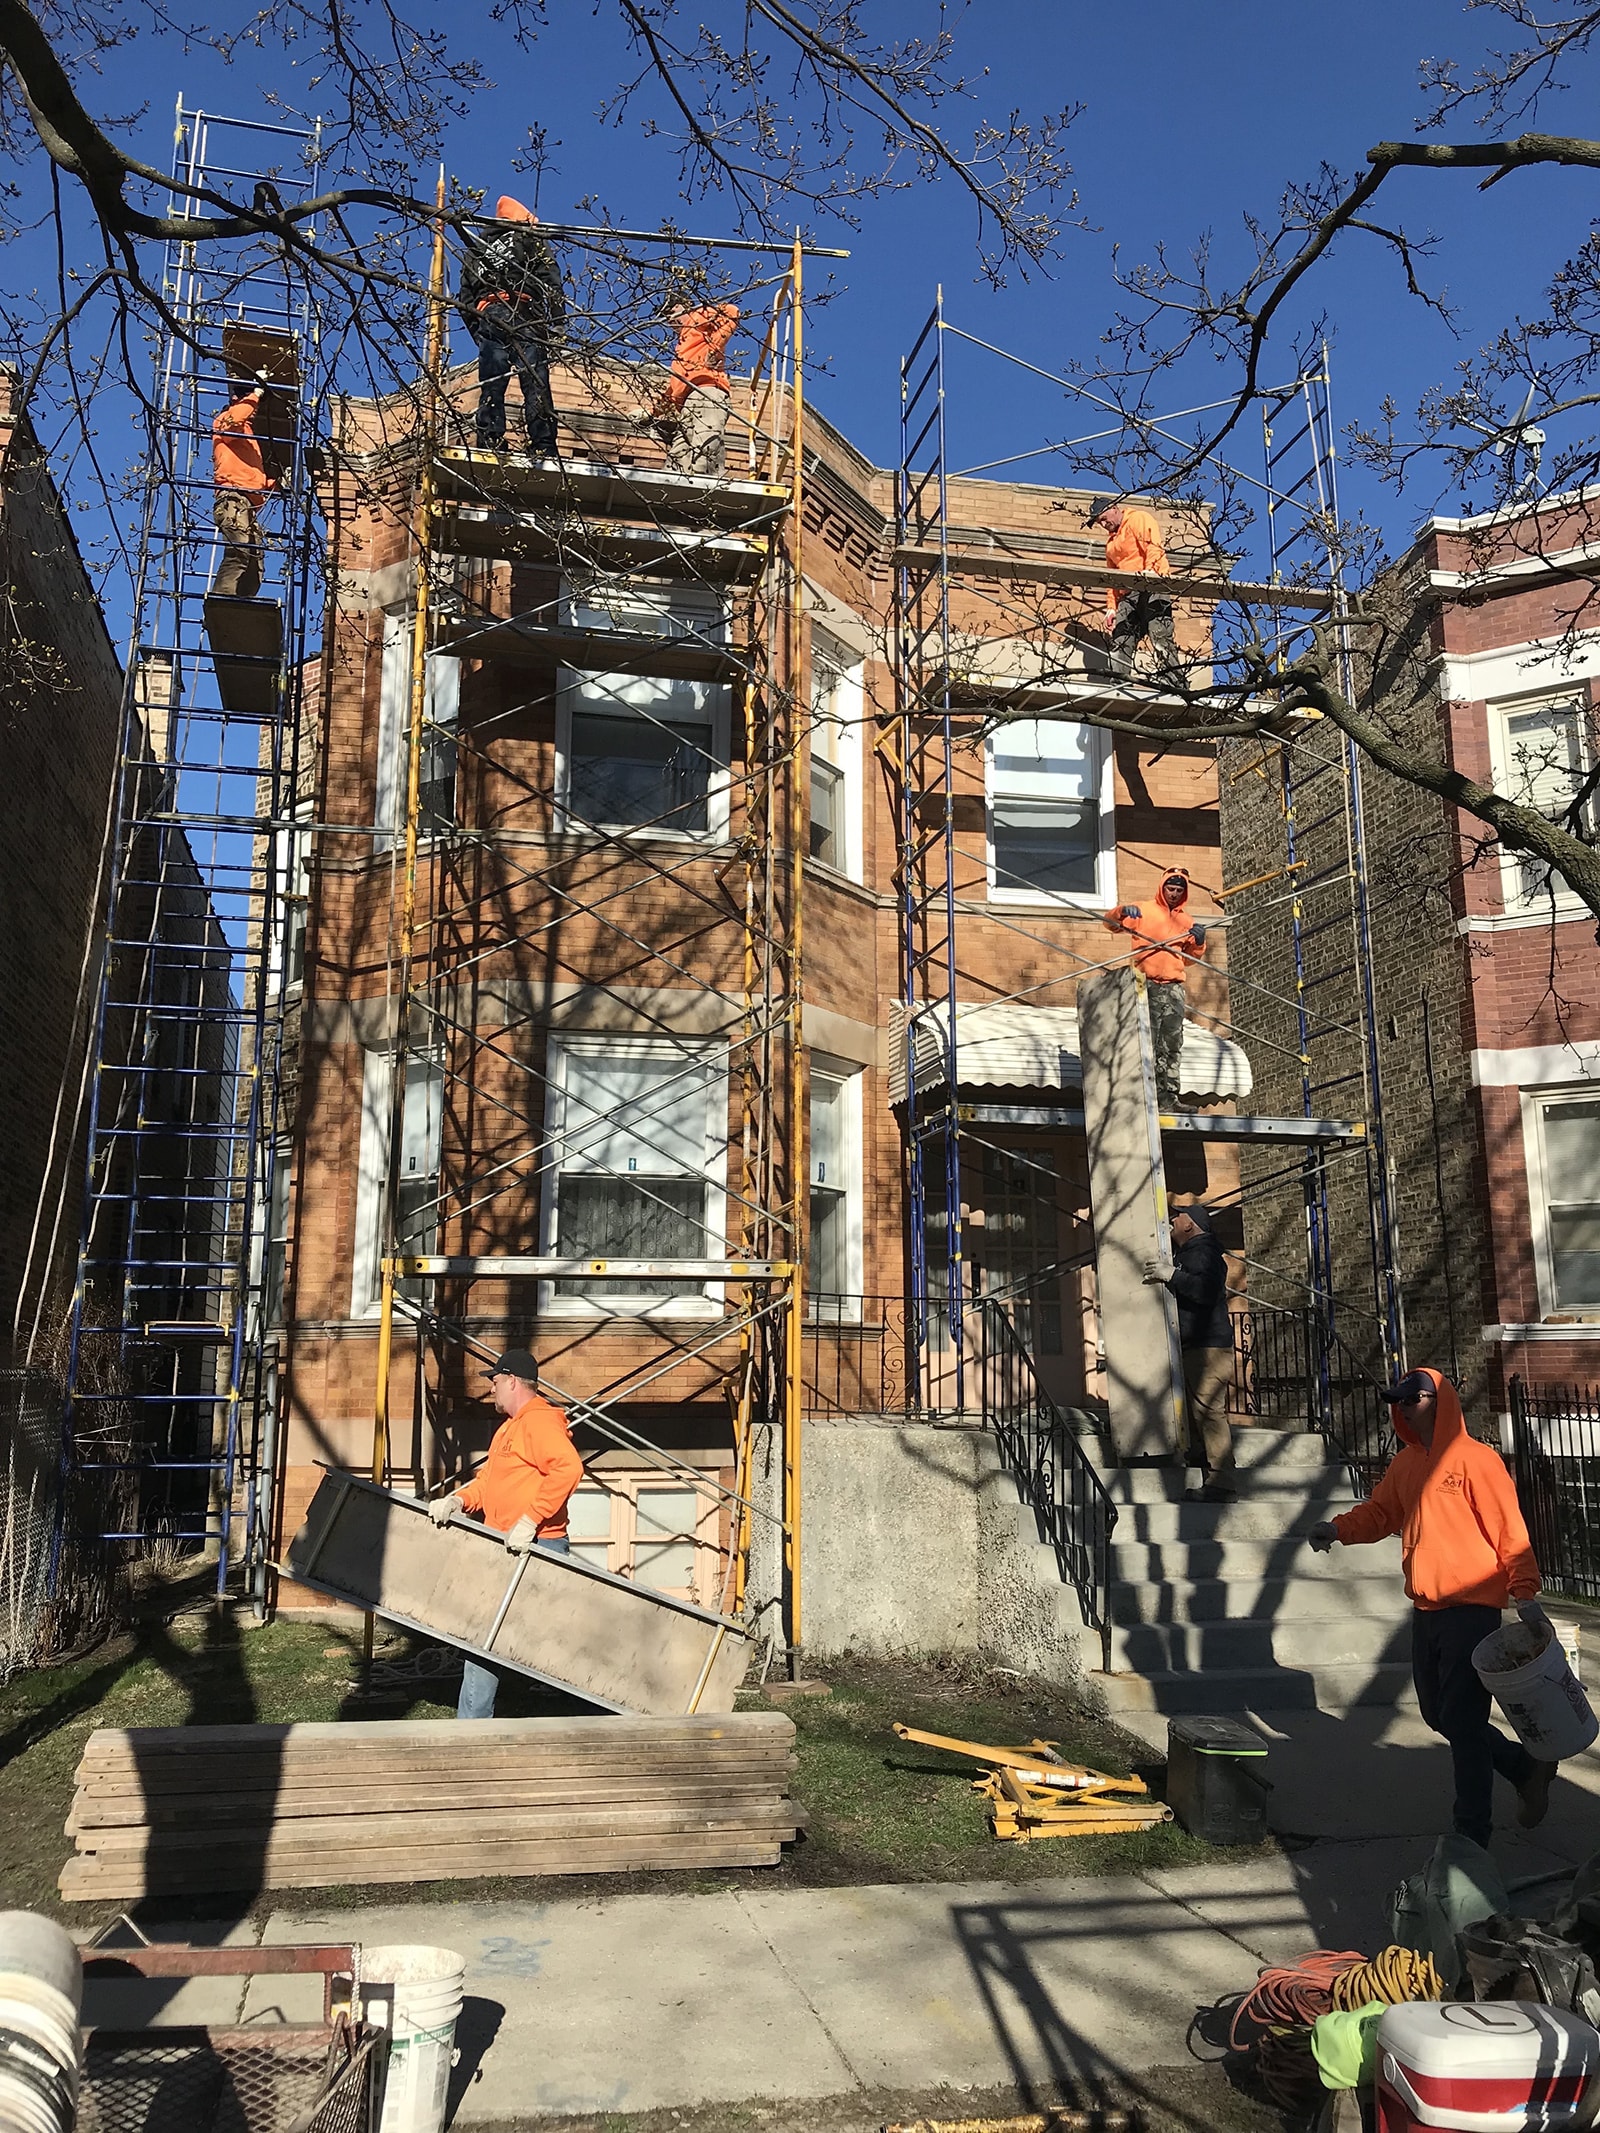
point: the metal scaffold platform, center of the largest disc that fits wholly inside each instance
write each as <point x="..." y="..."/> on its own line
<point x="165" y="1394"/>
<point x="992" y="625"/>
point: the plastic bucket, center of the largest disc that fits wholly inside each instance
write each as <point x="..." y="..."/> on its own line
<point x="41" y="1992"/>
<point x="416" y="1993"/>
<point x="1532" y="1683"/>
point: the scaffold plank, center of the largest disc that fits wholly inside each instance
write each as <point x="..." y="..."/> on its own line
<point x="520" y="643"/>
<point x="1057" y="570"/>
<point x="597" y="488"/>
<point x="246" y="639"/>
<point x="521" y="536"/>
<point x="1208" y="1125"/>
<point x="552" y="1617"/>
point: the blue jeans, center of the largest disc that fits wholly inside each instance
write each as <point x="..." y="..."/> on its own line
<point x="479" y="1684"/>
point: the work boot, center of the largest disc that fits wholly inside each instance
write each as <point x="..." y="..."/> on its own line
<point x="1534" y="1795"/>
<point x="1211" y="1492"/>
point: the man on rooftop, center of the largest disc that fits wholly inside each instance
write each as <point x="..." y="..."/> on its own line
<point x="511" y="300"/>
<point x="1133" y="542"/>
<point x="694" y="405"/>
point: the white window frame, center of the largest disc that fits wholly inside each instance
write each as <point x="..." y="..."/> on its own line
<point x="648" y="606"/>
<point x="1029" y="776"/>
<point x="845" y="716"/>
<point x="394" y="712"/>
<point x="372" y="1173"/>
<point x="1501" y="711"/>
<point x="1535" y="1102"/>
<point x="621" y="1490"/>
<point x="567" y="1046"/>
<point x="848" y="1078"/>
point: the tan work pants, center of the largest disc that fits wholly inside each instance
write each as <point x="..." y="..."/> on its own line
<point x="1207" y="1374"/>
<point x="239" y="573"/>
<point x="698" y="444"/>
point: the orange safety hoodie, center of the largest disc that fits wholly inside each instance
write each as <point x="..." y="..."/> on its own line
<point x="236" y="461"/>
<point x="703" y="338"/>
<point x="1136" y="545"/>
<point x="530" y="1472"/>
<point x="1455" y="1508"/>
<point x="1167" y="937"/>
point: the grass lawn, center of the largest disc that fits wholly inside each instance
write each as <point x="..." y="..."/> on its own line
<point x="880" y="1810"/>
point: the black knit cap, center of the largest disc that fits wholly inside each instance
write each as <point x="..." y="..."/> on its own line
<point x="516" y="1363"/>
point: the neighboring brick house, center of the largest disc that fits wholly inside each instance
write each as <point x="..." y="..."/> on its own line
<point x="60" y="714"/>
<point x="604" y="951"/>
<point x="1486" y="976"/>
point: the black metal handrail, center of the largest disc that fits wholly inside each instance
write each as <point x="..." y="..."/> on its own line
<point x="1053" y="1472"/>
<point x="1555" y="1455"/>
<point x="1291" y="1367"/>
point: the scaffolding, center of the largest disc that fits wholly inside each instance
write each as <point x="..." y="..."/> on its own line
<point x="958" y="585"/>
<point x="165" y="1395"/>
<point x="672" y="600"/>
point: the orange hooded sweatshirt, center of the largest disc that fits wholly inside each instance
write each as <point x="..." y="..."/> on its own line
<point x="1136" y="545"/>
<point x="1167" y="936"/>
<point x="530" y="1472"/>
<point x="1455" y="1508"/>
<point x="703" y="338"/>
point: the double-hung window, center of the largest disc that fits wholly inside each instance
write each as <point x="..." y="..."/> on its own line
<point x="1566" y="1175"/>
<point x="835" y="1273"/>
<point x="436" y="770"/>
<point x="659" y="1531"/>
<point x="634" y="1166"/>
<point x="636" y="751"/>
<point x="836" y="713"/>
<point x="1546" y="751"/>
<point x="1050" y="824"/>
<point x="421" y="1135"/>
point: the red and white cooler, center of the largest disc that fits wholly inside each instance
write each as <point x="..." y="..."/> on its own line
<point x="1483" y="2066"/>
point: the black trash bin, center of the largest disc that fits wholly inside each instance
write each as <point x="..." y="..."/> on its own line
<point x="1217" y="1781"/>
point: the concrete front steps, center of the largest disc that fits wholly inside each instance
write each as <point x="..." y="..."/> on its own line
<point x="1226" y="1607"/>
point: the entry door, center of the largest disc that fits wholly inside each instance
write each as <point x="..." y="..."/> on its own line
<point x="1020" y="1238"/>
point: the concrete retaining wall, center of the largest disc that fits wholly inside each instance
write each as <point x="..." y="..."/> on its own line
<point x="914" y="1542"/>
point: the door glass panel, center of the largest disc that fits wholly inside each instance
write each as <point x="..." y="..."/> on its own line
<point x="663" y="1553"/>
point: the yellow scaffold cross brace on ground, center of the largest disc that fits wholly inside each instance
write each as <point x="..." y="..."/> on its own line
<point x="1033" y="1793"/>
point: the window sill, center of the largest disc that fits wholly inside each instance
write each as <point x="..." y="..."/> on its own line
<point x="1088" y="905"/>
<point x="618" y="1310"/>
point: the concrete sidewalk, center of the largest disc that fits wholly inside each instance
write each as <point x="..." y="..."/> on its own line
<point x="790" y="1997"/>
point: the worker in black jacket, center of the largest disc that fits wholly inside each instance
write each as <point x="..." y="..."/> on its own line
<point x="510" y="297"/>
<point x="1199" y="1281"/>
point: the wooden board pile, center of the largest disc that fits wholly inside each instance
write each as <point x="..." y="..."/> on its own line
<point x="197" y="1809"/>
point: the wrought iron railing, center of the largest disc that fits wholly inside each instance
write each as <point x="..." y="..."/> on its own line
<point x="853" y="1356"/>
<point x="1291" y="1369"/>
<point x="1555" y="1455"/>
<point x="1047" y="1460"/>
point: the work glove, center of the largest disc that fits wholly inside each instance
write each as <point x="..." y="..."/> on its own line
<point x="522" y="1536"/>
<point x="1129" y="911"/>
<point x="1323" y="1535"/>
<point x="1198" y="935"/>
<point x="443" y="1508"/>
<point x="1530" y="1612"/>
<point x="1154" y="1272"/>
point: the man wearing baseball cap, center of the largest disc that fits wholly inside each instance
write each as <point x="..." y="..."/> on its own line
<point x="1466" y="1556"/>
<point x="521" y="1489"/>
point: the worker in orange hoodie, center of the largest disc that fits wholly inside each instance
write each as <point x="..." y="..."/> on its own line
<point x="1466" y="1556"/>
<point x="694" y="406"/>
<point x="240" y="486"/>
<point x="521" y="1490"/>
<point x="1133" y="542"/>
<point x="1170" y="940"/>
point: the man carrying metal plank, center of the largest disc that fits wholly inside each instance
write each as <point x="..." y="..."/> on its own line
<point x="521" y="1490"/>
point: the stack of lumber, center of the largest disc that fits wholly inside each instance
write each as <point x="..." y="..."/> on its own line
<point x="200" y="1809"/>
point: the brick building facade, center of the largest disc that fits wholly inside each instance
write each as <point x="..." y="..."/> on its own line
<point x="593" y="942"/>
<point x="1485" y="655"/>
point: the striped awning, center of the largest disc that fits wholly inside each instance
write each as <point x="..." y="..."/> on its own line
<point x="1009" y="1045"/>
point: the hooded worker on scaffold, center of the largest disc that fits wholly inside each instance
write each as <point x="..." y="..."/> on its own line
<point x="1169" y="942"/>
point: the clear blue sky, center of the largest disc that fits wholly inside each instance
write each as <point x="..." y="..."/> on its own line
<point x="1193" y="114"/>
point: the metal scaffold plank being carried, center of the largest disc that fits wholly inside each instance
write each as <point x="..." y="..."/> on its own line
<point x="553" y="1617"/>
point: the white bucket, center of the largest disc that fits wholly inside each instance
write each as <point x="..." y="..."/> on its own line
<point x="1536" y="1689"/>
<point x="41" y="1991"/>
<point x="418" y="1999"/>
